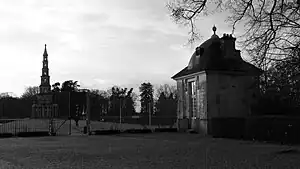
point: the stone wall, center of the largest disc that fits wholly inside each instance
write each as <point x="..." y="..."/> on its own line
<point x="229" y="95"/>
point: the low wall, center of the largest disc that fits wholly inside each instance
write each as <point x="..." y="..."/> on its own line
<point x="273" y="128"/>
<point x="262" y="128"/>
<point x="226" y="127"/>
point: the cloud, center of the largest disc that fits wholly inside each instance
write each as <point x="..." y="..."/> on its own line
<point x="101" y="81"/>
<point x="97" y="42"/>
<point x="94" y="17"/>
<point x="177" y="47"/>
<point x="72" y="40"/>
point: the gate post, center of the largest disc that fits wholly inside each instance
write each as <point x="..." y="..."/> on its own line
<point x="51" y="127"/>
<point x="70" y="119"/>
<point x="88" y="113"/>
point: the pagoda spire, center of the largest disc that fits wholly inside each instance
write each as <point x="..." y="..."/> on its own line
<point x="45" y="78"/>
<point x="45" y="51"/>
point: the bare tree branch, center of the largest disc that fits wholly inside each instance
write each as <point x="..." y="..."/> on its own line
<point x="272" y="27"/>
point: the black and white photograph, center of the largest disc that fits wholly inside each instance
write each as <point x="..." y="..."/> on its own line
<point x="150" y="84"/>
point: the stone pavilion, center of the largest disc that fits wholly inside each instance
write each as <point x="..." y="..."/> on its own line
<point x="216" y="83"/>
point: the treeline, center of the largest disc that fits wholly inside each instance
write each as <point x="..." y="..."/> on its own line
<point x="160" y="101"/>
<point x="280" y="89"/>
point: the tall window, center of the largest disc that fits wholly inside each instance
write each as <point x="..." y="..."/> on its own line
<point x="192" y="99"/>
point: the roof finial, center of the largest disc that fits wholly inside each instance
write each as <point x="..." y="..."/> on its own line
<point x="214" y="29"/>
<point x="45" y="51"/>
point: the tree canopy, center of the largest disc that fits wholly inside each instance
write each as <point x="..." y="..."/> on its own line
<point x="121" y="98"/>
<point x="272" y="27"/>
<point x="166" y="104"/>
<point x="146" y="94"/>
<point x="70" y="86"/>
<point x="56" y="87"/>
<point x="30" y="92"/>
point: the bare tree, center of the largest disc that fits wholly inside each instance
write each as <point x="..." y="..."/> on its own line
<point x="4" y="95"/>
<point x="166" y="100"/>
<point x="7" y="95"/>
<point x="166" y="89"/>
<point x="30" y="92"/>
<point x="272" y="27"/>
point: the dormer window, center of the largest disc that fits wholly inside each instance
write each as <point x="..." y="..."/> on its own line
<point x="199" y="51"/>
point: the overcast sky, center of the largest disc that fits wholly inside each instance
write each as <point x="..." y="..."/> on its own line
<point x="99" y="43"/>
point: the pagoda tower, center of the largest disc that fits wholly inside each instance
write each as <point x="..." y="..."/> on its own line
<point x="45" y="78"/>
<point x="44" y="107"/>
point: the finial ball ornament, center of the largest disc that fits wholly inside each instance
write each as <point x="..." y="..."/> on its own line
<point x="214" y="29"/>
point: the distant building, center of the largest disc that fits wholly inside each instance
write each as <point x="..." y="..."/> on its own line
<point x="44" y="107"/>
<point x="216" y="84"/>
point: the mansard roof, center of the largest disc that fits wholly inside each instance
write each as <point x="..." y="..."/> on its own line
<point x="210" y="56"/>
<point x="222" y="65"/>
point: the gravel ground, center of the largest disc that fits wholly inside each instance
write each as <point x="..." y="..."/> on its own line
<point x="160" y="150"/>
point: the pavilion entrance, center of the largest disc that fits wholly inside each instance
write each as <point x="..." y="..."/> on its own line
<point x="192" y="96"/>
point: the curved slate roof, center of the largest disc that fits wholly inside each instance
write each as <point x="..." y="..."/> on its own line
<point x="199" y="59"/>
<point x="210" y="56"/>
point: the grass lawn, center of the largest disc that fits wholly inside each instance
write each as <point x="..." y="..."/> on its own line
<point x="159" y="150"/>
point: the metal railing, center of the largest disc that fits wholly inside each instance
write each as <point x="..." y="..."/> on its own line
<point x="15" y="126"/>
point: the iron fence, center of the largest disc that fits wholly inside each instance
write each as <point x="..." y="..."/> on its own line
<point x="142" y="120"/>
<point x="15" y="126"/>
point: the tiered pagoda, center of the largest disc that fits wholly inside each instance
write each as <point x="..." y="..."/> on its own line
<point x="44" y="106"/>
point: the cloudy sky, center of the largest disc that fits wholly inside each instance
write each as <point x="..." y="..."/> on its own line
<point x="99" y="43"/>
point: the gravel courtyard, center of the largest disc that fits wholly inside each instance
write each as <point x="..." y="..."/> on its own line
<point x="159" y="150"/>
